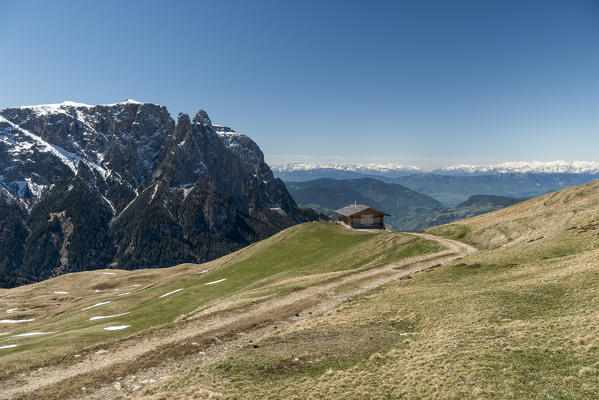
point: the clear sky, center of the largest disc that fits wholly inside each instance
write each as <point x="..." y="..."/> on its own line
<point x="428" y="83"/>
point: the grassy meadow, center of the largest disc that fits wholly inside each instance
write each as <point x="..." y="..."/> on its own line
<point x="297" y="257"/>
<point x="519" y="319"/>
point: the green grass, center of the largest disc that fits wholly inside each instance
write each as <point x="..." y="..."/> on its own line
<point x="292" y="259"/>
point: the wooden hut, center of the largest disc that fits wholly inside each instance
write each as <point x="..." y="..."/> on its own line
<point x="360" y="216"/>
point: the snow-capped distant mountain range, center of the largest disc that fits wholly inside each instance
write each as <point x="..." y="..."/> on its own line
<point x="380" y="167"/>
<point x="308" y="171"/>
<point x="392" y="170"/>
<point x="525" y="167"/>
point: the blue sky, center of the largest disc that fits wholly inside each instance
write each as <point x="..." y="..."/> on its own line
<point x="428" y="83"/>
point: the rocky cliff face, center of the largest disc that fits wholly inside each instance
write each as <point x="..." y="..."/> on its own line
<point x="123" y="185"/>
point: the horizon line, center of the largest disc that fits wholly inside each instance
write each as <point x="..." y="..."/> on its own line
<point x="391" y="165"/>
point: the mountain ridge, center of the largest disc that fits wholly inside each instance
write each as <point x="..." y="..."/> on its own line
<point x="130" y="187"/>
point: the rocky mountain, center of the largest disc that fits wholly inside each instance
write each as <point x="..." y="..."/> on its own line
<point x="124" y="185"/>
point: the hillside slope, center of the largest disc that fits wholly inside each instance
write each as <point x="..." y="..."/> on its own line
<point x="474" y="205"/>
<point x="518" y="319"/>
<point x="81" y="312"/>
<point x="566" y="219"/>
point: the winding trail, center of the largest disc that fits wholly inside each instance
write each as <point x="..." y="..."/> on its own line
<point x="128" y="365"/>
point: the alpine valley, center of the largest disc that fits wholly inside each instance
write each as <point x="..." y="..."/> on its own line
<point x="123" y="185"/>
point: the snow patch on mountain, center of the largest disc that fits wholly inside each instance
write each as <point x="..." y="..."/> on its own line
<point x="128" y="101"/>
<point x="154" y="192"/>
<point x="240" y="144"/>
<point x="229" y="136"/>
<point x="59" y="108"/>
<point x="34" y="188"/>
<point x="62" y="108"/>
<point x="67" y="158"/>
<point x="186" y="189"/>
<point x="110" y="205"/>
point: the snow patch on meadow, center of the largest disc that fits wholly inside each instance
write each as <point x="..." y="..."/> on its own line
<point x="212" y="283"/>
<point x="169" y="293"/>
<point x="95" y="305"/>
<point x="15" y="321"/>
<point x="34" y="334"/>
<point x="116" y="328"/>
<point x="108" y="316"/>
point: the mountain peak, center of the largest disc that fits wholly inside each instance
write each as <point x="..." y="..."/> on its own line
<point x="202" y="118"/>
<point x="183" y="125"/>
<point x="183" y="118"/>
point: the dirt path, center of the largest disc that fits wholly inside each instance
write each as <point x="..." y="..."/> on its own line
<point x="129" y="365"/>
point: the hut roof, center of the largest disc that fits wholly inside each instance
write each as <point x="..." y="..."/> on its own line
<point x="356" y="208"/>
